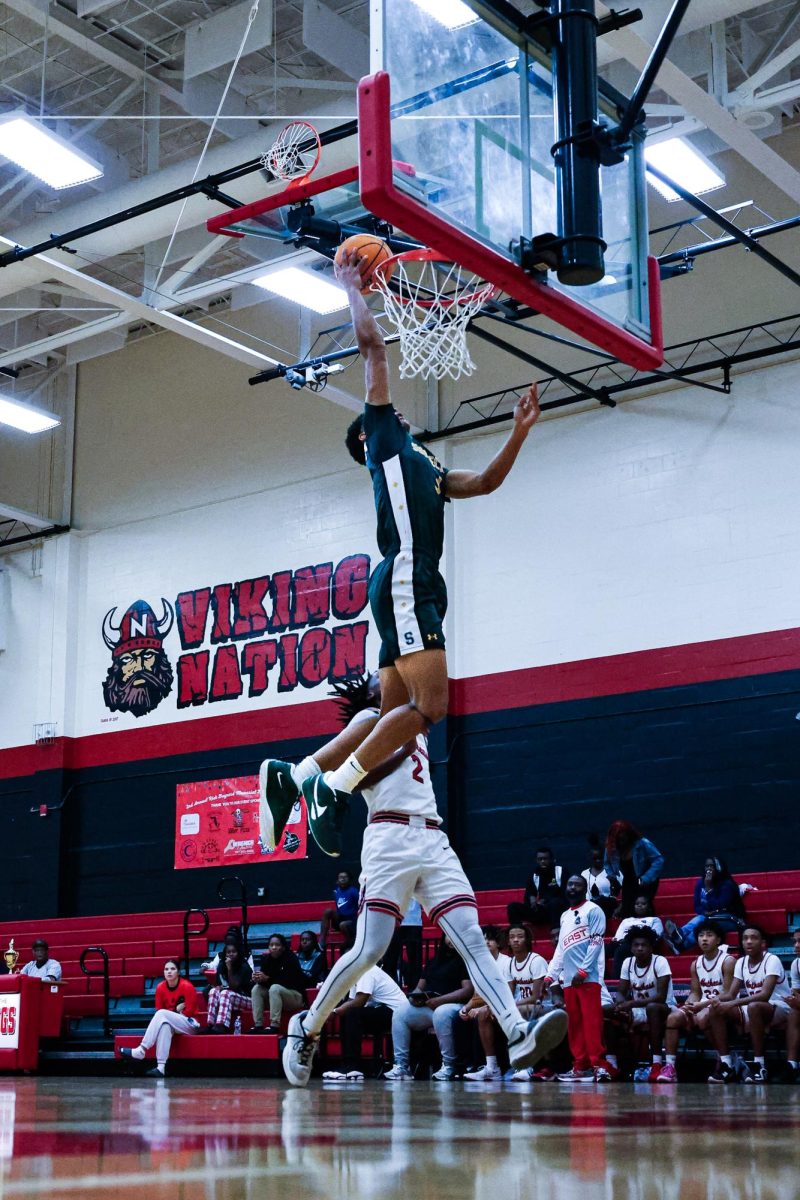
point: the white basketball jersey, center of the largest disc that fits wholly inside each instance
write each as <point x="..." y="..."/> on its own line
<point x="644" y="983"/>
<point x="752" y="978"/>
<point x="408" y="789"/>
<point x="523" y="975"/>
<point x="795" y="974"/>
<point x="709" y="973"/>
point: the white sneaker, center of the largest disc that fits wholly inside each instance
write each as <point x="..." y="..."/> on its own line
<point x="334" y="1076"/>
<point x="444" y="1074"/>
<point x="486" y="1074"/>
<point x="355" y="1076"/>
<point x="541" y="1036"/>
<point x="523" y="1076"/>
<point x="398" y="1075"/>
<point x="299" y="1051"/>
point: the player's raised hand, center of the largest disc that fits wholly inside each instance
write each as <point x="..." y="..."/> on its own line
<point x="348" y="271"/>
<point x="527" y="410"/>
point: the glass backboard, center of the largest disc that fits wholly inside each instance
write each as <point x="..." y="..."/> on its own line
<point x="469" y="105"/>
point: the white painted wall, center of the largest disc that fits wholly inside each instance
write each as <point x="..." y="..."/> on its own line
<point x="668" y="520"/>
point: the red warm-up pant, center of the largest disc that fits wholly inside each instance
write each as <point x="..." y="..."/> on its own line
<point x="585" y="1025"/>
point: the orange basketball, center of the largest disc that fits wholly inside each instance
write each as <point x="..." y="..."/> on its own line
<point x="371" y="251"/>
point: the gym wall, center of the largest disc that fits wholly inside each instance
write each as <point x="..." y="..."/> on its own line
<point x="622" y="634"/>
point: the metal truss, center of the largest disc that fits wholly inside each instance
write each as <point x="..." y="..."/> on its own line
<point x="14" y="532"/>
<point x="716" y="355"/>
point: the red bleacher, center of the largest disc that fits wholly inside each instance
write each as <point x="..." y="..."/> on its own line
<point x="138" y="943"/>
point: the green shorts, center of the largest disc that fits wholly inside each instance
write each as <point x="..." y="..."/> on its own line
<point x="408" y="598"/>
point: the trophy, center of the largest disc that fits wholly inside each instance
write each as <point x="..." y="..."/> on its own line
<point x="11" y="956"/>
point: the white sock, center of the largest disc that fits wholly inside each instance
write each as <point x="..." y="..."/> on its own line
<point x="347" y="777"/>
<point x="727" y="1059"/>
<point x="759" y="1060"/>
<point x="491" y="1062"/>
<point x="612" y="1058"/>
<point x="138" y="1052"/>
<point x="672" y="1059"/>
<point x="305" y="770"/>
<point x="657" y="1060"/>
<point x="160" y="1067"/>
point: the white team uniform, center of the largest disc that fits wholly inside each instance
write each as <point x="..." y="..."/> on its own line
<point x="709" y="973"/>
<point x="794" y="973"/>
<point x="751" y="981"/>
<point x="644" y="984"/>
<point x="405" y="854"/>
<point x="380" y="988"/>
<point x="523" y="975"/>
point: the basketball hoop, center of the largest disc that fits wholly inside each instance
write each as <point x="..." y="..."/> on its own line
<point x="295" y="152"/>
<point x="430" y="301"/>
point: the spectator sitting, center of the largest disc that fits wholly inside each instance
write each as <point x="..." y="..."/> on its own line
<point x="645" y="995"/>
<point x="343" y="916"/>
<point x="232" y="991"/>
<point x="42" y="966"/>
<point x="756" y="1002"/>
<point x="311" y="958"/>
<point x="543" y="902"/>
<point x="434" y="1004"/>
<point x="233" y="937"/>
<point x="635" y="860"/>
<point x="643" y="914"/>
<point x="525" y="971"/>
<point x="711" y="976"/>
<point x="793" y="1016"/>
<point x="602" y="888"/>
<point x="281" y="981"/>
<point x="716" y="895"/>
<point x="176" y="1008"/>
<point x="370" y="1006"/>
<point x="408" y="934"/>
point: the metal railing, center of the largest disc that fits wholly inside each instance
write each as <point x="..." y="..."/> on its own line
<point x="96" y="974"/>
<point x="189" y="933"/>
<point x="241" y="898"/>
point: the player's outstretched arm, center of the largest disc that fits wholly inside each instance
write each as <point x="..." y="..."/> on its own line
<point x="369" y="339"/>
<point x="460" y="485"/>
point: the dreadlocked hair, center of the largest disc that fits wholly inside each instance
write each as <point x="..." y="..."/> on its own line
<point x="351" y="697"/>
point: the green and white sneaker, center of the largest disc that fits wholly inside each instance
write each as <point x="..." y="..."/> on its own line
<point x="327" y="810"/>
<point x="277" y="795"/>
<point x="298" y="1053"/>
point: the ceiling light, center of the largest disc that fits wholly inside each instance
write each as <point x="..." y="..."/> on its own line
<point x="453" y="14"/>
<point x="44" y="154"/>
<point x="308" y="288"/>
<point x="687" y="166"/>
<point x="25" y="416"/>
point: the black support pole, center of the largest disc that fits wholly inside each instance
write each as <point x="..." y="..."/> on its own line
<point x="633" y="109"/>
<point x="580" y="222"/>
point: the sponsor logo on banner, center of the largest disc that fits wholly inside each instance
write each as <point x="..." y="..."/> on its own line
<point x="9" y="1022"/>
<point x="216" y="823"/>
<point x="293" y="628"/>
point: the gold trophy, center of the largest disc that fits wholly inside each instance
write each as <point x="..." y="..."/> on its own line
<point x="11" y="957"/>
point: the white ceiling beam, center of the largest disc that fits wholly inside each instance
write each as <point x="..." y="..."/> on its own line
<point x="137" y="309"/>
<point x="769" y="70"/>
<point x="24" y="518"/>
<point x="628" y="44"/>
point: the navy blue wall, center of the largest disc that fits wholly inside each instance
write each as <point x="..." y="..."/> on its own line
<point x="711" y="767"/>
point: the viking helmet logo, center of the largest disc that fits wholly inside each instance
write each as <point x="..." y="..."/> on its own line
<point x="140" y="675"/>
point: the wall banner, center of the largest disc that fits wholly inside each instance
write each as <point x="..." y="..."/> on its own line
<point x="216" y="825"/>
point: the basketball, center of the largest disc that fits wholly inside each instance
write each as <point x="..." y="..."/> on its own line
<point x="371" y="252"/>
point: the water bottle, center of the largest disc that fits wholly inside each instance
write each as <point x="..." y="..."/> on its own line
<point x="237" y="1026"/>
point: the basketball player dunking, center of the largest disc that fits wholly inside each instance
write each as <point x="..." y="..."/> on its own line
<point x="407" y="593"/>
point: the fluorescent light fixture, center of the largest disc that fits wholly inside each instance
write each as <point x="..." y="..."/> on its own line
<point x="450" y="13"/>
<point x="25" y="417"/>
<point x="308" y="288"/>
<point x="44" y="154"/>
<point x="687" y="166"/>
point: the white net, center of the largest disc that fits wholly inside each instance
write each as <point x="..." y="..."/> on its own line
<point x="295" y="152"/>
<point x="430" y="304"/>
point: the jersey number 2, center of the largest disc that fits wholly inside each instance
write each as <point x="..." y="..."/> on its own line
<point x="416" y="774"/>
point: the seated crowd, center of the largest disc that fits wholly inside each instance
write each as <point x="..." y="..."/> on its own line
<point x="607" y="962"/>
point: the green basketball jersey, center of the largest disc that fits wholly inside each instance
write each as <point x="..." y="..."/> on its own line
<point x="409" y="486"/>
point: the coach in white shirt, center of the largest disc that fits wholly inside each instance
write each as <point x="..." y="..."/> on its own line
<point x="368" y="1009"/>
<point x="42" y="966"/>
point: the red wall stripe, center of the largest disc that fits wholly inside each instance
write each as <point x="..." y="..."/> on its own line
<point x="616" y="674"/>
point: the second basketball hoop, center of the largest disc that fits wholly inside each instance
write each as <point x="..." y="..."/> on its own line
<point x="430" y="301"/>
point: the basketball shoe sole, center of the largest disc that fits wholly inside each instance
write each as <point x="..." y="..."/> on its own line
<point x="327" y="810"/>
<point x="277" y="795"/>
